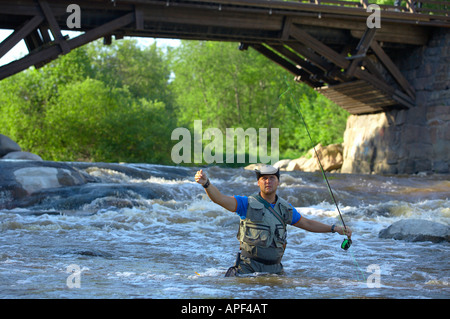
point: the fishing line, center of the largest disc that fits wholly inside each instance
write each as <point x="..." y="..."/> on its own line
<point x="359" y="268"/>
<point x="347" y="242"/>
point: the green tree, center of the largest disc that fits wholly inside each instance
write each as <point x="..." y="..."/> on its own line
<point x="225" y="87"/>
<point x="121" y="102"/>
<point x="144" y="71"/>
<point x="95" y="122"/>
<point x="73" y="109"/>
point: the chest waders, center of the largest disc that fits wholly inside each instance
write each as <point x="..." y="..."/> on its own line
<point x="262" y="236"/>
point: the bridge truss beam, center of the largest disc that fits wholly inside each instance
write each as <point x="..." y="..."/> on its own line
<point x="327" y="47"/>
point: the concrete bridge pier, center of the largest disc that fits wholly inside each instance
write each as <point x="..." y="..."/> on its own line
<point x="412" y="140"/>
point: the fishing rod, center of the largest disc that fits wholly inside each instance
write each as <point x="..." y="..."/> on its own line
<point x="347" y="241"/>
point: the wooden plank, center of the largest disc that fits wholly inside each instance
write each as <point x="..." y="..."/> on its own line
<point x="316" y="59"/>
<point x="319" y="47"/>
<point x="305" y="77"/>
<point x="361" y="49"/>
<point x="338" y="59"/>
<point x="277" y="8"/>
<point x="380" y="84"/>
<point x="362" y="91"/>
<point x="360" y="108"/>
<point x="213" y="18"/>
<point x="375" y="98"/>
<point x="54" y="26"/>
<point x="52" y="52"/>
<point x="400" y="96"/>
<point x="311" y="7"/>
<point x="139" y="17"/>
<point x="33" y="41"/>
<point x="390" y="31"/>
<point x="44" y="33"/>
<point x="374" y="102"/>
<point x="286" y="28"/>
<point x="365" y="108"/>
<point x="349" y="104"/>
<point x="19" y="34"/>
<point x="340" y="11"/>
<point x="370" y="66"/>
<point x="413" y="35"/>
<point x="275" y="58"/>
<point x="357" y="93"/>
<point x="367" y="97"/>
<point x="392" y="68"/>
<point x="102" y="30"/>
<point x="304" y="65"/>
<point x="29" y="60"/>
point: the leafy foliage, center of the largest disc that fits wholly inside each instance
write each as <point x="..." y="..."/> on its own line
<point x="121" y="102"/>
<point x="225" y="87"/>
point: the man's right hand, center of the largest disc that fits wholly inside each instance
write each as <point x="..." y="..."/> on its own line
<point x="227" y="202"/>
<point x="201" y="177"/>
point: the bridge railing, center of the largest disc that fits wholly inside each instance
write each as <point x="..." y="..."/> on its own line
<point x="432" y="7"/>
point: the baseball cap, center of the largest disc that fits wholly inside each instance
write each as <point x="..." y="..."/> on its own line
<point x="267" y="170"/>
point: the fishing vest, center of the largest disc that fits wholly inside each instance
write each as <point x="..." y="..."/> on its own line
<point x="261" y="234"/>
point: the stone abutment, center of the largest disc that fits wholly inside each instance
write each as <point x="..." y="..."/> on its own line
<point x="412" y="140"/>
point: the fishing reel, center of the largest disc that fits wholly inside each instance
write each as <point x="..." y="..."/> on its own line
<point x="346" y="244"/>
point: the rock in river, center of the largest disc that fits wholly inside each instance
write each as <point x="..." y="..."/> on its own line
<point x="19" y="179"/>
<point x="7" y="145"/>
<point x="417" y="230"/>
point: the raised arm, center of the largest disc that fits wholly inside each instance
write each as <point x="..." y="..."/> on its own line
<point x="227" y="202"/>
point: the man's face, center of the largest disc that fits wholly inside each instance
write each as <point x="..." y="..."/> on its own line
<point x="268" y="184"/>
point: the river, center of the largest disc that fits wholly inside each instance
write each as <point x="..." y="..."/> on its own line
<point x="151" y="232"/>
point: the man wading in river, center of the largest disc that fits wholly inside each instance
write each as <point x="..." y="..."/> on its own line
<point x="264" y="216"/>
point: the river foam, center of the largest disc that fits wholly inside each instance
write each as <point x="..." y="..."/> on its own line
<point x="142" y="231"/>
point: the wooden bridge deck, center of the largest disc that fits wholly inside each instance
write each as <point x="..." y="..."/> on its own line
<point x="324" y="43"/>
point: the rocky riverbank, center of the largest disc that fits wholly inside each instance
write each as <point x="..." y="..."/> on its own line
<point x="53" y="187"/>
<point x="11" y="150"/>
<point x="331" y="158"/>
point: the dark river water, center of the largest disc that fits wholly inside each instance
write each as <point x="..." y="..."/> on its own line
<point x="149" y="231"/>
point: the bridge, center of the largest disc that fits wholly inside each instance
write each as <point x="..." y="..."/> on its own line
<point x="334" y="46"/>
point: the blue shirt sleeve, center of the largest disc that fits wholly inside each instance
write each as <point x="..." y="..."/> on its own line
<point x="242" y="205"/>
<point x="295" y="216"/>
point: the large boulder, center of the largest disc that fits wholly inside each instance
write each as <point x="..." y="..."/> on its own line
<point x="19" y="179"/>
<point x="7" y="145"/>
<point x="282" y="164"/>
<point x="417" y="230"/>
<point x="297" y="164"/>
<point x="330" y="156"/>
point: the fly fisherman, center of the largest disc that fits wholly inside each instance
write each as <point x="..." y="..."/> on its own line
<point x="264" y="216"/>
